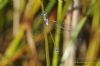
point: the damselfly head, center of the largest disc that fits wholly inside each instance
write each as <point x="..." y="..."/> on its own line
<point x="44" y="14"/>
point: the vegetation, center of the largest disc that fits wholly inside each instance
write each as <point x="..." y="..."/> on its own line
<point x="49" y="32"/>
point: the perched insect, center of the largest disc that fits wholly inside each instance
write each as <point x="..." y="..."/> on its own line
<point x="55" y="26"/>
<point x="47" y="22"/>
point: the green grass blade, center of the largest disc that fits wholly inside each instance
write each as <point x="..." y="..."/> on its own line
<point x="57" y="35"/>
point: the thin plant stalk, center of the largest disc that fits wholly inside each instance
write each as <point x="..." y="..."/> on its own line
<point x="45" y="34"/>
<point x="15" y="43"/>
<point x="28" y="18"/>
<point x="67" y="26"/>
<point x="57" y="35"/>
<point x="72" y="40"/>
<point x="13" y="47"/>
<point x="16" y="17"/>
<point x="67" y="32"/>
<point x="67" y="22"/>
<point x="47" y="46"/>
<point x="31" y="44"/>
<point x="72" y="25"/>
<point x="75" y="18"/>
<point x="75" y="33"/>
<point x="18" y="9"/>
<point x="75" y="14"/>
<point x="60" y="18"/>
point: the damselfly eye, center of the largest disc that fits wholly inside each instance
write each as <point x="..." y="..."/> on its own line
<point x="44" y="14"/>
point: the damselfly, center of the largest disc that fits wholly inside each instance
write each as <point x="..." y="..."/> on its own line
<point x="52" y="25"/>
